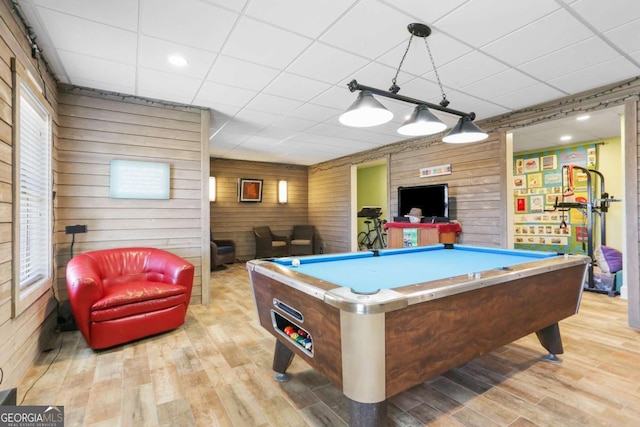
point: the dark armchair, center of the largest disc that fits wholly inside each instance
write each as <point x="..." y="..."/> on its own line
<point x="222" y="252"/>
<point x="270" y="245"/>
<point x="302" y="240"/>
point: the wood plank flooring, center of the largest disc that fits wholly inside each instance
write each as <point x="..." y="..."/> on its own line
<point x="216" y="371"/>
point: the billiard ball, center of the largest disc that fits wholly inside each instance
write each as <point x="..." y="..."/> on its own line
<point x="295" y="262"/>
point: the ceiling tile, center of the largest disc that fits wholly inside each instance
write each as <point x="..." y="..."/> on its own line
<point x="267" y="102"/>
<point x="175" y="88"/>
<point x="216" y="92"/>
<point x="154" y="54"/>
<point x="204" y="26"/>
<point x="242" y="74"/>
<point x="626" y="36"/>
<point x="615" y="70"/>
<point x="551" y="33"/>
<point x="355" y="32"/>
<point x="235" y="5"/>
<point x="478" y="23"/>
<point x="455" y="74"/>
<point x="102" y="72"/>
<point x="426" y="12"/>
<point x="307" y="18"/>
<point x="570" y="59"/>
<point x="337" y="97"/>
<point x="296" y="87"/>
<point x="293" y="123"/>
<point x="264" y="44"/>
<point x="528" y="96"/>
<point x="259" y="118"/>
<point x="316" y="113"/>
<point x="326" y="63"/>
<point x="117" y="13"/>
<point x="97" y="39"/>
<point x="499" y="84"/>
<point x="607" y="16"/>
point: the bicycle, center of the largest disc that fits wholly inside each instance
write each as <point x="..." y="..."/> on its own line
<point x="373" y="238"/>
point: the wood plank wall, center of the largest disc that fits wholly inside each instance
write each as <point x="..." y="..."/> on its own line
<point x="22" y="338"/>
<point x="476" y="187"/>
<point x="96" y="128"/>
<point x="231" y="219"/>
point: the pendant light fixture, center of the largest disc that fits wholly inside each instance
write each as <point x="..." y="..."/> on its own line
<point x="367" y="111"/>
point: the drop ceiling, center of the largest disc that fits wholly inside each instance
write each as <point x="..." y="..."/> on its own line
<point x="274" y="72"/>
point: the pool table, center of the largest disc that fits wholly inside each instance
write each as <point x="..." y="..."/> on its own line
<point x="379" y="322"/>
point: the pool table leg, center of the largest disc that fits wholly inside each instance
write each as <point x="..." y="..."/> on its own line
<point x="367" y="414"/>
<point x="550" y="339"/>
<point x="282" y="357"/>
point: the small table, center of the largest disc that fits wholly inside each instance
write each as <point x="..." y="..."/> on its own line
<point x="427" y="233"/>
<point x="377" y="323"/>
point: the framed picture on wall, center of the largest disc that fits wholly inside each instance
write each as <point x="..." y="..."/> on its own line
<point x="521" y="204"/>
<point x="250" y="190"/>
<point x="537" y="203"/>
<point x="549" y="162"/>
<point x="531" y="165"/>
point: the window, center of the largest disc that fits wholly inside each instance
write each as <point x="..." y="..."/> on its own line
<point x="32" y="253"/>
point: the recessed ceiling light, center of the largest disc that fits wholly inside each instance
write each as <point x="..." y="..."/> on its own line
<point x="177" y="60"/>
<point x="583" y="117"/>
<point x="565" y="138"/>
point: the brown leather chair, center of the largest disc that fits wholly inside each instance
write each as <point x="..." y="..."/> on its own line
<point x="270" y="245"/>
<point x="302" y="240"/>
<point x="223" y="251"/>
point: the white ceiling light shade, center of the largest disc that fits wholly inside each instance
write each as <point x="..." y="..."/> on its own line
<point x="366" y="111"/>
<point x="422" y="122"/>
<point x="465" y="131"/>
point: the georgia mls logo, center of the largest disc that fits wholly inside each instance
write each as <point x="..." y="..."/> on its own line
<point x="31" y="416"/>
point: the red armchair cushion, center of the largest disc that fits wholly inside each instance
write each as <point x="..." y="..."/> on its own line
<point x="126" y="299"/>
<point x="118" y="295"/>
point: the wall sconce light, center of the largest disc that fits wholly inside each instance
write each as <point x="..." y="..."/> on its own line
<point x="366" y="111"/>
<point x="282" y="191"/>
<point x="212" y="188"/>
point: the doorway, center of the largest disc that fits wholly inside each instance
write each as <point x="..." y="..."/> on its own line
<point x="370" y="187"/>
<point x="603" y="130"/>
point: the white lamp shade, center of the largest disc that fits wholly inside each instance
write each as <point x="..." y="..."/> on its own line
<point x="282" y="191"/>
<point x="465" y="131"/>
<point x="212" y="188"/>
<point x="366" y="111"/>
<point x="422" y="122"/>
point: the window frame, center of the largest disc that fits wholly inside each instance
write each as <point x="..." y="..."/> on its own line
<point x="24" y="86"/>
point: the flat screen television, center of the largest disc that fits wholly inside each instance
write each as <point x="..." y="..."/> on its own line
<point x="432" y="199"/>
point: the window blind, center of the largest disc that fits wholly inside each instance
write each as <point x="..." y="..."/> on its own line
<point x="34" y="191"/>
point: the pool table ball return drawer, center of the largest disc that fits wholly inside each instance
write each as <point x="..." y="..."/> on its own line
<point x="374" y="345"/>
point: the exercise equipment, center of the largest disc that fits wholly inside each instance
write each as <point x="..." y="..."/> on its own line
<point x="595" y="207"/>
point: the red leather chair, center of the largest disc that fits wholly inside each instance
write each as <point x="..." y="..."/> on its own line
<point x="120" y="295"/>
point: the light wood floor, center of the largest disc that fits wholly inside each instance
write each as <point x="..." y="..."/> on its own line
<point x="216" y="371"/>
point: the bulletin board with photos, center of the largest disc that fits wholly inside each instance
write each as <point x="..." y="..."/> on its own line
<point x="538" y="182"/>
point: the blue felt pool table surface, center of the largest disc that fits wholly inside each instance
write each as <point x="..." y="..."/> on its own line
<point x="364" y="272"/>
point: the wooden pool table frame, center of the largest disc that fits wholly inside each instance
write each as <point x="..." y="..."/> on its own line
<point x="375" y="347"/>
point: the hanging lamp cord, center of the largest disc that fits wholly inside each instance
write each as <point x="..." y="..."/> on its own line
<point x="444" y="101"/>
<point x="394" y="87"/>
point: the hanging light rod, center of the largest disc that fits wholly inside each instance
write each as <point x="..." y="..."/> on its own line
<point x="354" y="86"/>
<point x="367" y="111"/>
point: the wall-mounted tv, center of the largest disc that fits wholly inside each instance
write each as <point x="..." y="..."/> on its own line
<point x="432" y="199"/>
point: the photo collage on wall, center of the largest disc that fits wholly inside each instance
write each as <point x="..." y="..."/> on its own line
<point x="540" y="182"/>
